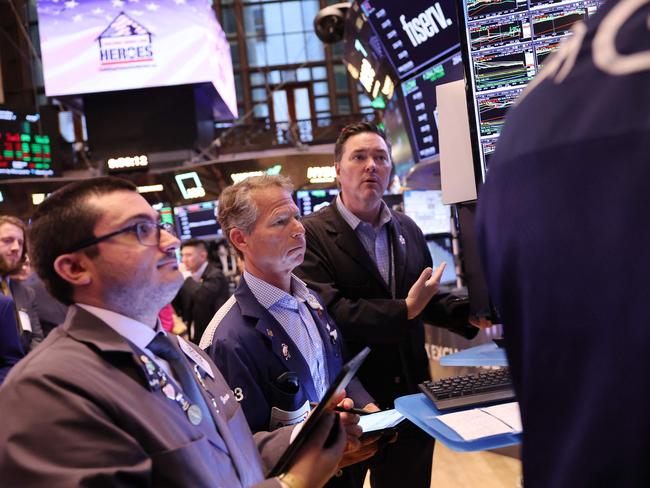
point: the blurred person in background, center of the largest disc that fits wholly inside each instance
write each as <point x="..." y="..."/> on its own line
<point x="11" y="349"/>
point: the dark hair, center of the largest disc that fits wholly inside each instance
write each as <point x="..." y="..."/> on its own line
<point x="354" y="129"/>
<point x="195" y="243"/>
<point x="64" y="220"/>
<point x="10" y="219"/>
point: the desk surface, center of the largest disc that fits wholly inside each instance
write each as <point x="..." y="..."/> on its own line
<point x="419" y="410"/>
<point x="484" y="355"/>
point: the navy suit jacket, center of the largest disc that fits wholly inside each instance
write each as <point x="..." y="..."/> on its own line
<point x="11" y="350"/>
<point x="248" y="345"/>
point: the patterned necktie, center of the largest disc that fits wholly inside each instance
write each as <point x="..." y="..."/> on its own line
<point x="162" y="347"/>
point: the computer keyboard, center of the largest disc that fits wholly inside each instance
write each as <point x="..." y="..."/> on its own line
<point x="463" y="391"/>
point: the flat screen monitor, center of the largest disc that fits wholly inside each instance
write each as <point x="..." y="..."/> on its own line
<point x="416" y="33"/>
<point x="365" y="56"/>
<point x="425" y="207"/>
<point x="198" y="221"/>
<point x="420" y="99"/>
<point x="310" y="201"/>
<point x="441" y="250"/>
<point x="504" y="45"/>
<point x="107" y="45"/>
<point x="396" y="127"/>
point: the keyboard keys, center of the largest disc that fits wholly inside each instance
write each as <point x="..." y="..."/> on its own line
<point x="471" y="390"/>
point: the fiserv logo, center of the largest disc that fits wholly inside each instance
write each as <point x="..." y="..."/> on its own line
<point x="425" y="25"/>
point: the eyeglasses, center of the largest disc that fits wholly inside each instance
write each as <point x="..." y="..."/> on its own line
<point x="148" y="234"/>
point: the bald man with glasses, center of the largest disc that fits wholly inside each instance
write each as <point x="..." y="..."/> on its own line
<point x="110" y="399"/>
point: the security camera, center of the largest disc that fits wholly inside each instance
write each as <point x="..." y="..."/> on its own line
<point x="329" y="22"/>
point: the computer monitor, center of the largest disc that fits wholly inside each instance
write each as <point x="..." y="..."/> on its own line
<point x="441" y="250"/>
<point x="504" y="45"/>
<point x="198" y="220"/>
<point x="425" y="207"/>
<point x="310" y="201"/>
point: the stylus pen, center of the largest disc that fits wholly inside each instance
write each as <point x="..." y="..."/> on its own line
<point x="358" y="411"/>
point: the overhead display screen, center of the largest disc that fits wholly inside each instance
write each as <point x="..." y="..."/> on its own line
<point x="364" y="56"/>
<point x="504" y="45"/>
<point x="414" y="33"/>
<point x="24" y="151"/>
<point x="198" y="221"/>
<point x="420" y="99"/>
<point x="106" y="45"/>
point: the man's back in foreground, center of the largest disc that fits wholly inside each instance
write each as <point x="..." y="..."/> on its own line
<point x="563" y="220"/>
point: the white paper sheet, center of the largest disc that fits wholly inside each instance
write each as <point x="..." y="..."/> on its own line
<point x="484" y="422"/>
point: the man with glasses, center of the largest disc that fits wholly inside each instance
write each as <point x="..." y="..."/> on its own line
<point x="112" y="400"/>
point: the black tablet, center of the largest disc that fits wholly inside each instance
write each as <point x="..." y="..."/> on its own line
<point x="336" y="387"/>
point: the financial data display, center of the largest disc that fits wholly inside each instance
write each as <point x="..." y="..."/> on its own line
<point x="365" y="56"/>
<point x="310" y="201"/>
<point x="23" y="151"/>
<point x="198" y="220"/>
<point x="396" y="126"/>
<point x="506" y="43"/>
<point x="425" y="207"/>
<point x="414" y="33"/>
<point x="420" y="99"/>
<point x="94" y="46"/>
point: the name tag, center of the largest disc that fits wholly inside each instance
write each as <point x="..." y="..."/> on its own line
<point x="195" y="356"/>
<point x="25" y="323"/>
<point x="282" y="418"/>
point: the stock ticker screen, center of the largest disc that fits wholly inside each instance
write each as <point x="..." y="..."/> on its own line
<point x="24" y="151"/>
<point x="506" y="43"/>
<point x="198" y="220"/>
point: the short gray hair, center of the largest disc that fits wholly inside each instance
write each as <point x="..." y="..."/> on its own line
<point x="237" y="208"/>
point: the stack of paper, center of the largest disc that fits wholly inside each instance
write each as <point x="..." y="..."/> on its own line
<point x="484" y="422"/>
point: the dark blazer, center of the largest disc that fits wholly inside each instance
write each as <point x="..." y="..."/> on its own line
<point x="338" y="267"/>
<point x="197" y="302"/>
<point x="84" y="414"/>
<point x="11" y="350"/>
<point x="248" y="345"/>
<point x="25" y="300"/>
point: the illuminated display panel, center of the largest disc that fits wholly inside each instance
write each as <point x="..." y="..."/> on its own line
<point x="504" y="45"/>
<point x="310" y="201"/>
<point x="420" y="99"/>
<point x="415" y="34"/>
<point x="425" y="207"/>
<point x="365" y="56"/>
<point x="23" y="152"/>
<point x="106" y="45"/>
<point x="198" y="220"/>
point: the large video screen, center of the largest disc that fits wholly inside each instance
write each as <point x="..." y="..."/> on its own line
<point x="198" y="221"/>
<point x="420" y="98"/>
<point x="504" y="45"/>
<point x="414" y="33"/>
<point x="106" y="45"/>
<point x="396" y="128"/>
<point x="425" y="207"/>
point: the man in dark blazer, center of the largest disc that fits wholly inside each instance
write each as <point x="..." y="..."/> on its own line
<point x="110" y="399"/>
<point x="13" y="252"/>
<point x="11" y="349"/>
<point x="204" y="290"/>
<point x="372" y="268"/>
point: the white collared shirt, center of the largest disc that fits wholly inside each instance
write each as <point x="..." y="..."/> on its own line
<point x="196" y="276"/>
<point x="136" y="332"/>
